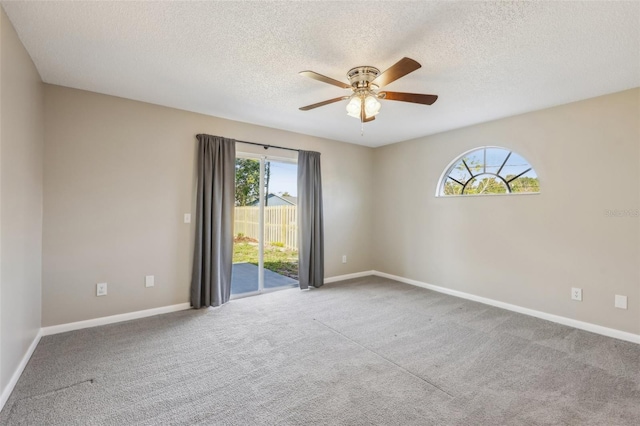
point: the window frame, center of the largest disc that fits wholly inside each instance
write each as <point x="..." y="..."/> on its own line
<point x="447" y="171"/>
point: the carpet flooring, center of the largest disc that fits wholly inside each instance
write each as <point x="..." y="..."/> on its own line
<point x="368" y="351"/>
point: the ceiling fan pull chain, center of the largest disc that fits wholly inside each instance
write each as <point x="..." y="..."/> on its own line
<point x="361" y="129"/>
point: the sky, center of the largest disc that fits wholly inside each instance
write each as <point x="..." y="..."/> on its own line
<point x="284" y="178"/>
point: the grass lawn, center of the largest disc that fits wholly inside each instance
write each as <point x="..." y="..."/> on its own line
<point x="280" y="260"/>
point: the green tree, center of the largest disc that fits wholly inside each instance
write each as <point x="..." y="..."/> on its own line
<point x="248" y="180"/>
<point x="452" y="188"/>
<point x="525" y="184"/>
<point x="492" y="185"/>
<point x="485" y="185"/>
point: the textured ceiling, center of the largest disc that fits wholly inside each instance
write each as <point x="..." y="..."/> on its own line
<point x="240" y="60"/>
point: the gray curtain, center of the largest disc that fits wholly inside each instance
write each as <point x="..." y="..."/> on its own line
<point x="213" y="254"/>
<point x="310" y="219"/>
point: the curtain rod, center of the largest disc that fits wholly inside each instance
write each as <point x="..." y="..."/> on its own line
<point x="265" y="146"/>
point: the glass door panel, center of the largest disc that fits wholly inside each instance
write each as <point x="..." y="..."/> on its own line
<point x="280" y="224"/>
<point x="247" y="241"/>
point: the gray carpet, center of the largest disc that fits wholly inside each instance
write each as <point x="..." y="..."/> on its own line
<point x="368" y="351"/>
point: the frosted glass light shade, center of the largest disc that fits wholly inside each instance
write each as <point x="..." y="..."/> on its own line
<point x="371" y="106"/>
<point x="353" y="107"/>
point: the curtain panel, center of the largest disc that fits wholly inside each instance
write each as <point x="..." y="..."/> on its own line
<point x="310" y="219"/>
<point x="213" y="254"/>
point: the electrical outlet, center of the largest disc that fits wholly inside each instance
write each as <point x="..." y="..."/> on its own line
<point x="576" y="294"/>
<point x="101" y="289"/>
<point x="344" y="258"/>
<point x="149" y="281"/>
<point x="620" y="302"/>
<point x="187" y="218"/>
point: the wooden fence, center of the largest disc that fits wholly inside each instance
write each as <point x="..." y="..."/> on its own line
<point x="280" y="224"/>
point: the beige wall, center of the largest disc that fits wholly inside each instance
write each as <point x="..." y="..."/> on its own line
<point x="528" y="250"/>
<point x="21" y="149"/>
<point x="119" y="175"/>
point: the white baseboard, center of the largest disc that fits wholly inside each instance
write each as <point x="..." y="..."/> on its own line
<point x="348" y="276"/>
<point x="598" y="329"/>
<point x="62" y="328"/>
<point x="6" y="392"/>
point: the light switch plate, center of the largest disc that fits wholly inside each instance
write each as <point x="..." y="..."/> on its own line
<point x="187" y="218"/>
<point x="620" y="301"/>
<point x="149" y="281"/>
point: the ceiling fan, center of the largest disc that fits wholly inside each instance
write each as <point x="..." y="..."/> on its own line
<point x="365" y="83"/>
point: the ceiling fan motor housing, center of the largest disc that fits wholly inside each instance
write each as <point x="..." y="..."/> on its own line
<point x="361" y="77"/>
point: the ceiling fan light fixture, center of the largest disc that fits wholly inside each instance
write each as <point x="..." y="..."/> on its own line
<point x="353" y="107"/>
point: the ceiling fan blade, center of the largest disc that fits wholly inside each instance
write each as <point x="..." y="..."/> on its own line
<point x="416" y="98"/>
<point x="401" y="68"/>
<point x="323" y="78"/>
<point x="319" y="104"/>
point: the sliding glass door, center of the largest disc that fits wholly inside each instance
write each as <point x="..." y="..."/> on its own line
<point x="265" y="249"/>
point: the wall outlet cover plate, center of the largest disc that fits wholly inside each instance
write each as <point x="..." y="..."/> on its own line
<point x="576" y="294"/>
<point x="620" y="302"/>
<point x="101" y="289"/>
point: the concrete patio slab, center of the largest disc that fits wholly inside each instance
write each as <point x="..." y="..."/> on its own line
<point x="244" y="279"/>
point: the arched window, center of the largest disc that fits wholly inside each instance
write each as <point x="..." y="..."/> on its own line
<point x="488" y="170"/>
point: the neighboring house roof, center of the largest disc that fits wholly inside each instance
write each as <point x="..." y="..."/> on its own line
<point x="289" y="198"/>
<point x="276" y="200"/>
